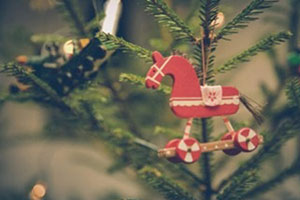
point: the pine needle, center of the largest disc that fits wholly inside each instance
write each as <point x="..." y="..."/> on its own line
<point x="167" y="17"/>
<point x="112" y="42"/>
<point x="164" y="185"/>
<point x="247" y="15"/>
<point x="262" y="45"/>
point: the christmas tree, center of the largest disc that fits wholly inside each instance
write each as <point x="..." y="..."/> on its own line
<point x="93" y="85"/>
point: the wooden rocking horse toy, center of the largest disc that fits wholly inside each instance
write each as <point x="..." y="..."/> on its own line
<point x="190" y="100"/>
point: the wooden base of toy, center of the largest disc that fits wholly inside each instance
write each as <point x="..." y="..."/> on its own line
<point x="205" y="147"/>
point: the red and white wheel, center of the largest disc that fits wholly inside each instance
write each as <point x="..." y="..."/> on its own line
<point x="230" y="152"/>
<point x="246" y="139"/>
<point x="170" y="144"/>
<point x="188" y="150"/>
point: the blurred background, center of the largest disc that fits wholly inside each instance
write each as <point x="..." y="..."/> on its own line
<point x="38" y="145"/>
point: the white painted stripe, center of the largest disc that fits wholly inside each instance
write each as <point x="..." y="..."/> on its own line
<point x="241" y="138"/>
<point x="162" y="67"/>
<point x="200" y="98"/>
<point x="251" y="146"/>
<point x="159" y="70"/>
<point x="152" y="79"/>
<point x="182" y="146"/>
<point x="195" y="147"/>
<point x="188" y="158"/>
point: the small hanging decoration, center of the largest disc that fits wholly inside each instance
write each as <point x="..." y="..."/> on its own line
<point x="190" y="100"/>
<point x="69" y="64"/>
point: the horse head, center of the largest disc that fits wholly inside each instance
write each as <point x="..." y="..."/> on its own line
<point x="155" y="73"/>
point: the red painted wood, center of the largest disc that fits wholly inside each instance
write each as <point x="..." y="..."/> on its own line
<point x="246" y="139"/>
<point x="186" y="86"/>
<point x="230" y="152"/>
<point x="188" y="150"/>
<point x="170" y="144"/>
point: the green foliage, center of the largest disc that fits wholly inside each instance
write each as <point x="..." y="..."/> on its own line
<point x="247" y="15"/>
<point x="272" y="144"/>
<point x="263" y="45"/>
<point x="27" y="77"/>
<point x="239" y="186"/>
<point x="263" y="187"/>
<point x="43" y="38"/>
<point x="160" y="130"/>
<point x="293" y="92"/>
<point x="112" y="42"/>
<point x="89" y="100"/>
<point x="207" y="14"/>
<point x="140" y="81"/>
<point x="166" y="186"/>
<point x="167" y="17"/>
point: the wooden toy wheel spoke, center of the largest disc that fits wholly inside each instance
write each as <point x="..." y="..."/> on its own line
<point x="188" y="150"/>
<point x="247" y="140"/>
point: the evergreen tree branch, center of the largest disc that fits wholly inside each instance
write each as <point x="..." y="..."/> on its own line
<point x="239" y="186"/>
<point x="293" y="92"/>
<point x="113" y="42"/>
<point x="167" y="17"/>
<point x="276" y="180"/>
<point x="123" y="106"/>
<point x="247" y="15"/>
<point x="19" y="97"/>
<point x="207" y="13"/>
<point x="286" y="130"/>
<point x="263" y="45"/>
<point x="27" y="77"/>
<point x="133" y="148"/>
<point x="164" y="185"/>
<point x="68" y="6"/>
<point x="140" y="81"/>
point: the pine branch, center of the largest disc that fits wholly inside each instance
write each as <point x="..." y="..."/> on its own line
<point x="239" y="186"/>
<point x="164" y="185"/>
<point x="125" y="111"/>
<point x="27" y="77"/>
<point x="273" y="182"/>
<point x="204" y="49"/>
<point x="207" y="14"/>
<point x="247" y="15"/>
<point x="263" y="45"/>
<point x="19" y="97"/>
<point x="167" y="17"/>
<point x="43" y="38"/>
<point x="140" y="81"/>
<point x="170" y="133"/>
<point x="134" y="148"/>
<point x="286" y="130"/>
<point x="113" y="42"/>
<point x="293" y="92"/>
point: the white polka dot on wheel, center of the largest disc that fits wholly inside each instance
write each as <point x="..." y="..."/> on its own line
<point x="247" y="139"/>
<point x="188" y="150"/>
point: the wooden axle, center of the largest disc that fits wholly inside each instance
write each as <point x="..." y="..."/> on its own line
<point x="205" y="147"/>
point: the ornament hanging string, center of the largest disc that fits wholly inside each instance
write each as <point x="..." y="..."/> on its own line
<point x="204" y="56"/>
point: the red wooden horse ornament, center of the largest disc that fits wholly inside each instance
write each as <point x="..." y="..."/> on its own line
<point x="190" y="100"/>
